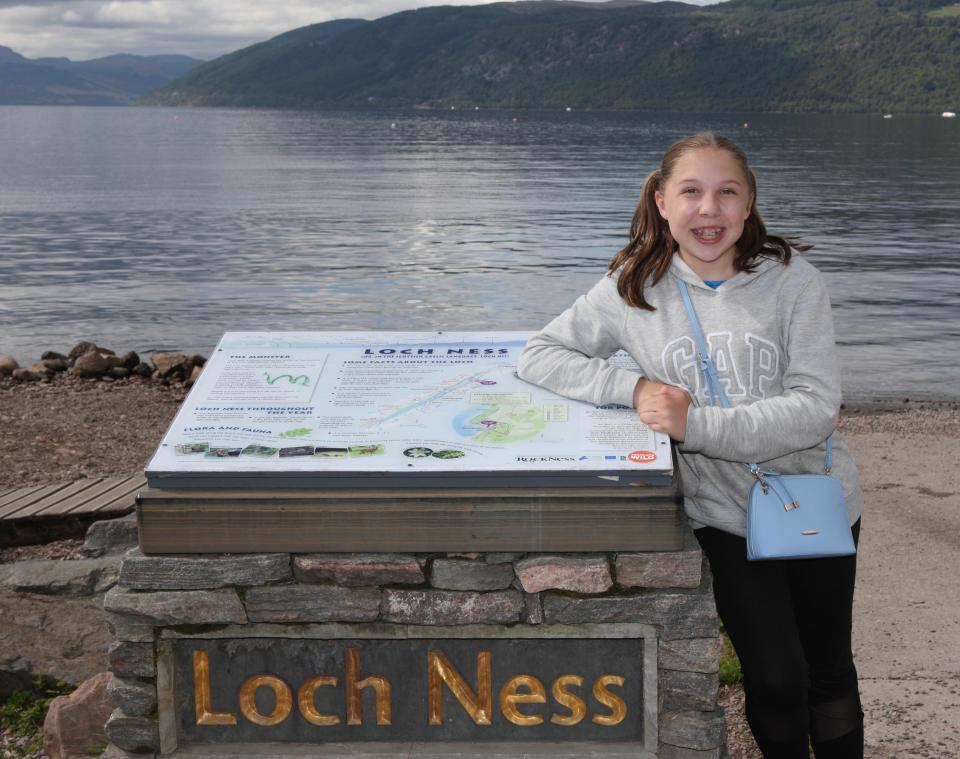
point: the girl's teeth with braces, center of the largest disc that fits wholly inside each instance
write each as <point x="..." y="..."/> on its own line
<point x="708" y="234"/>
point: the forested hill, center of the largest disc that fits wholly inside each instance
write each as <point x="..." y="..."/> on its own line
<point x="114" y="80"/>
<point x="741" y="55"/>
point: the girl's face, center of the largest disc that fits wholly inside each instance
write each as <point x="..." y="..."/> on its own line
<point x="705" y="202"/>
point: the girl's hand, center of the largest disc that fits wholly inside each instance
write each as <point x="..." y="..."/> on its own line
<point x="646" y="389"/>
<point x="663" y="408"/>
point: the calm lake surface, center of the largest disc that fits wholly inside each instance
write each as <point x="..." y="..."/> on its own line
<point x="154" y="229"/>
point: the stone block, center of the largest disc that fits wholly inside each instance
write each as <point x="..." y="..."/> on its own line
<point x="532" y="609"/>
<point x="136" y="630"/>
<point x="74" y="723"/>
<point x="463" y="574"/>
<point x="358" y="570"/>
<point x="137" y="734"/>
<point x="133" y="698"/>
<point x="679" y="615"/>
<point x="111" y="536"/>
<point x="141" y="572"/>
<point x="63" y="637"/>
<point x="691" y="654"/>
<point x="502" y="558"/>
<point x="700" y="731"/>
<point x="132" y="660"/>
<point x="688" y="691"/>
<point x="577" y="574"/>
<point x="451" y="607"/>
<point x="312" y="603"/>
<point x="187" y="607"/>
<point x="671" y="569"/>
<point x="76" y="577"/>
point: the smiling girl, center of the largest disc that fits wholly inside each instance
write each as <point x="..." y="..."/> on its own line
<point x="766" y="315"/>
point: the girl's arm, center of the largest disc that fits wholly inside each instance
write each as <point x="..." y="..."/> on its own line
<point x="569" y="355"/>
<point x="799" y="418"/>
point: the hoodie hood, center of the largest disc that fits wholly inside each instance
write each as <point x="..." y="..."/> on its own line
<point x="764" y="264"/>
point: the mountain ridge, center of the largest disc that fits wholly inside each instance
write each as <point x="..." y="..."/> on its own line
<point x="111" y="80"/>
<point x="756" y="55"/>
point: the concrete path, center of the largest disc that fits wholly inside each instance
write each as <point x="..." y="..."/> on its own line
<point x="907" y="603"/>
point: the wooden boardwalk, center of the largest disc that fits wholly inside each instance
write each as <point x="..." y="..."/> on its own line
<point x="105" y="495"/>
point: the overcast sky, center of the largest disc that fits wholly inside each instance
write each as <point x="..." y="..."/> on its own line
<point x="83" y="29"/>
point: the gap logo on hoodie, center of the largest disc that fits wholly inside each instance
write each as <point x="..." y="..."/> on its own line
<point x="746" y="365"/>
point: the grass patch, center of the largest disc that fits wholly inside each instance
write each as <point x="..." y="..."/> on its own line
<point x="730" y="673"/>
<point x="24" y="711"/>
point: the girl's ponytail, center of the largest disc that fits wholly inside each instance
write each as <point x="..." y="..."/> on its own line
<point x="647" y="255"/>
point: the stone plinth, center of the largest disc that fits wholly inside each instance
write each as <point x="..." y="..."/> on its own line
<point x="615" y="655"/>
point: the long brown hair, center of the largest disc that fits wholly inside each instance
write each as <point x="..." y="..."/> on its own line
<point x="648" y="254"/>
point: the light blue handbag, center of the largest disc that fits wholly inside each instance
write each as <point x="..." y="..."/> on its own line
<point x="789" y="516"/>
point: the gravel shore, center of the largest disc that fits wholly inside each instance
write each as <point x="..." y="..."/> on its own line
<point x="68" y="429"/>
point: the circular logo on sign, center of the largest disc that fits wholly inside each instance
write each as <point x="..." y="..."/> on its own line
<point x="642" y="457"/>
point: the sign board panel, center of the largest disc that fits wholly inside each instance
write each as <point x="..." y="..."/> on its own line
<point x="391" y="409"/>
<point x="311" y="691"/>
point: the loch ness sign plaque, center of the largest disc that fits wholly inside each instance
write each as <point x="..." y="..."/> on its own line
<point x="566" y="683"/>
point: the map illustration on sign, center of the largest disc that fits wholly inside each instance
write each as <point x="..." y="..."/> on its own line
<point x="323" y="404"/>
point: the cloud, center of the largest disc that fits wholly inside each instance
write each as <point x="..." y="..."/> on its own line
<point x="83" y="29"/>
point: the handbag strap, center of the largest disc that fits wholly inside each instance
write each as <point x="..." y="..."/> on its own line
<point x="715" y="388"/>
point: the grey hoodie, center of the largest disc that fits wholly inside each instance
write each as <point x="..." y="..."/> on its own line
<point x="770" y="334"/>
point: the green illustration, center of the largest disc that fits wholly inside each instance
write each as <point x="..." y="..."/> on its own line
<point x="290" y="378"/>
<point x="500" y="425"/>
<point x="297" y="432"/>
<point x="222" y="453"/>
<point x="366" y="450"/>
<point x="260" y="451"/>
<point x="448" y="454"/>
<point x="186" y="449"/>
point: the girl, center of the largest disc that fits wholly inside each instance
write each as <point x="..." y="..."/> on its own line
<point x="766" y="316"/>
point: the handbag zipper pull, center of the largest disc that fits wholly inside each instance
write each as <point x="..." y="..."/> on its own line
<point x="755" y="471"/>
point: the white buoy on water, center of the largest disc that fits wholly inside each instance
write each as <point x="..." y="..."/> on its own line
<point x="948" y="115"/>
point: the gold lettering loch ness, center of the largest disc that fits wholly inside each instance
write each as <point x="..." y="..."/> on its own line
<point x="523" y="689"/>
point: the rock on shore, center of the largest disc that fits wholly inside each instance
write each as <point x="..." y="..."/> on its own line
<point x="88" y="360"/>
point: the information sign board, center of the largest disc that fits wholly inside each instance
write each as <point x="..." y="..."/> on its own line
<point x="394" y="409"/>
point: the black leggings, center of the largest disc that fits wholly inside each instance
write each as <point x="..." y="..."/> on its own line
<point x="790" y="623"/>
